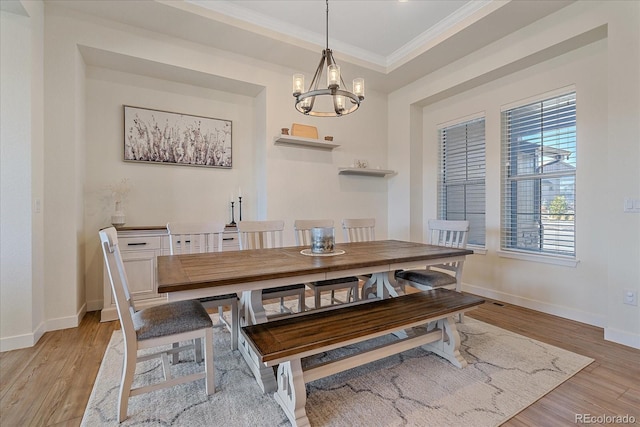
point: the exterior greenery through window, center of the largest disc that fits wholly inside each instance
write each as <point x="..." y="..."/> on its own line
<point x="461" y="186"/>
<point x="539" y="177"/>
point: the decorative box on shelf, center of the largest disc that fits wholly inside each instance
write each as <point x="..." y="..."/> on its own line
<point x="365" y="171"/>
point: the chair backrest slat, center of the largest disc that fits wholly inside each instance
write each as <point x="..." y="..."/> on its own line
<point x="197" y="237"/>
<point x="260" y="234"/>
<point x="119" y="282"/>
<point x="303" y="227"/>
<point x="359" y="230"/>
<point x="453" y="234"/>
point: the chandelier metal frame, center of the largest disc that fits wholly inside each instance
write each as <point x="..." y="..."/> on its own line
<point x="305" y="101"/>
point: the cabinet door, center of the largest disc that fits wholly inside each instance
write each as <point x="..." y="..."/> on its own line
<point x="141" y="273"/>
<point x="139" y="258"/>
<point x="139" y="254"/>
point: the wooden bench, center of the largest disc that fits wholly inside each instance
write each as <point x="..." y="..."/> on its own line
<point x="285" y="342"/>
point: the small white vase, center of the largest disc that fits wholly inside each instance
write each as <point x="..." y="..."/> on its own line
<point x="118" y="218"/>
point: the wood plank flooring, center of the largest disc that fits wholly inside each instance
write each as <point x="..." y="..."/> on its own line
<point x="50" y="383"/>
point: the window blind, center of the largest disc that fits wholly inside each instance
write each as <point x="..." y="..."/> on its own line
<point x="539" y="176"/>
<point x="461" y="176"/>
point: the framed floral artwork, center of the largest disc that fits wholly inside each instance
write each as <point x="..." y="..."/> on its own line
<point x="155" y="136"/>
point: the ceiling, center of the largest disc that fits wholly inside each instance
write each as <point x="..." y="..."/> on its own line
<point x="374" y="31"/>
<point x="388" y="42"/>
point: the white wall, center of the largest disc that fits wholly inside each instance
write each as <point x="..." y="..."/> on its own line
<point x="159" y="193"/>
<point x="96" y="66"/>
<point x="594" y="46"/>
<point x="304" y="184"/>
<point x="51" y="277"/>
<point x="21" y="230"/>
<point x="535" y="282"/>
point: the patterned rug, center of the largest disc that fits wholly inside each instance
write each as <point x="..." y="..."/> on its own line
<point x="506" y="373"/>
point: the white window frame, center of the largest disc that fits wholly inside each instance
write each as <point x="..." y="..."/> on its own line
<point x="473" y="162"/>
<point x="516" y="250"/>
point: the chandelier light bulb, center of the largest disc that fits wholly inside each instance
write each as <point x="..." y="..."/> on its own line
<point x="333" y="76"/>
<point x="306" y="104"/>
<point x="298" y="84"/>
<point x="358" y="87"/>
<point x="340" y="104"/>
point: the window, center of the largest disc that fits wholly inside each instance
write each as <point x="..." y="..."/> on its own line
<point x="539" y="177"/>
<point x="461" y="186"/>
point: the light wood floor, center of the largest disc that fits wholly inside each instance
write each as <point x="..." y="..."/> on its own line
<point x="50" y="383"/>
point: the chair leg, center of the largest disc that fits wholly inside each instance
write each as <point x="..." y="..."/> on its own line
<point x="197" y="343"/>
<point x="129" y="369"/>
<point x="301" y="305"/>
<point x="234" y="326"/>
<point x="208" y="361"/>
<point x="176" y="356"/>
<point x="353" y="293"/>
<point x="317" y="297"/>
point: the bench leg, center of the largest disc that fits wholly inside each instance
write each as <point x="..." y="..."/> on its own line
<point x="292" y="393"/>
<point x="449" y="346"/>
<point x="251" y="312"/>
<point x="263" y="374"/>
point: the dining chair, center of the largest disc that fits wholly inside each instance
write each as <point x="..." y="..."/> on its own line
<point x="449" y="233"/>
<point x="190" y="238"/>
<point x="302" y="229"/>
<point x="452" y="234"/>
<point x="361" y="230"/>
<point x="263" y="235"/>
<point x="155" y="326"/>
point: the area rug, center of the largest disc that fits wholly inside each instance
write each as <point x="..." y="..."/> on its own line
<point x="506" y="373"/>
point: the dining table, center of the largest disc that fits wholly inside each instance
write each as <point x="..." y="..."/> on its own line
<point x="248" y="272"/>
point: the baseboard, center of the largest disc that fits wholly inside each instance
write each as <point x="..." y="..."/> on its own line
<point x="67" y="322"/>
<point x="544" y="307"/>
<point x="95" y="305"/>
<point x="622" y="337"/>
<point x="22" y="341"/>
<point x="30" y="339"/>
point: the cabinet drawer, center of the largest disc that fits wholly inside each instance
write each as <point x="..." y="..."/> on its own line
<point x="142" y="243"/>
<point x="230" y="241"/>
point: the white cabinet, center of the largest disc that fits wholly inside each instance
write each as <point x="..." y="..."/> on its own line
<point x="139" y="247"/>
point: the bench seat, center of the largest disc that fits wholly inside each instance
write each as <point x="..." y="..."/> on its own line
<point x="285" y="342"/>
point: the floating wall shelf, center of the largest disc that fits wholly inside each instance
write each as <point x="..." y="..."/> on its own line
<point x="304" y="142"/>
<point x="365" y="171"/>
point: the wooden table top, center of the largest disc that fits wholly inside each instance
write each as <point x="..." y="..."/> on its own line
<point x="196" y="271"/>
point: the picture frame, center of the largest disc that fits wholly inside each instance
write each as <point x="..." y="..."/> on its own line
<point x="164" y="137"/>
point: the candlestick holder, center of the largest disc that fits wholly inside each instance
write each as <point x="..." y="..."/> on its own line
<point x="233" y="220"/>
<point x="240" y="206"/>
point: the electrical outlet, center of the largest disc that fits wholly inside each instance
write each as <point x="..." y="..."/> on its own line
<point x="630" y="297"/>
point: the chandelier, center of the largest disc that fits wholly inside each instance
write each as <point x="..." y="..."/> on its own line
<point x="335" y="96"/>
